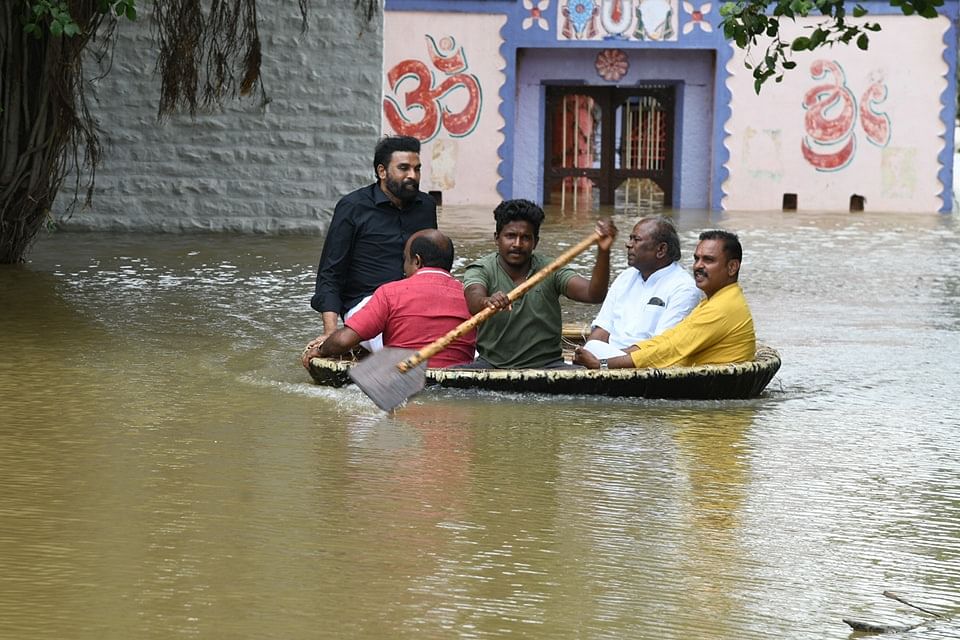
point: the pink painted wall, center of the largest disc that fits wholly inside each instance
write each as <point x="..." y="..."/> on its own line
<point x="843" y="122"/>
<point x="441" y="82"/>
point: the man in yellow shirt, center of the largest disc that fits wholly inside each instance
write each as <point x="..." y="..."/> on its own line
<point x="719" y="330"/>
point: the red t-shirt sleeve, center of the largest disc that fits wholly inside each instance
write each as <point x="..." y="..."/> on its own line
<point x="372" y="318"/>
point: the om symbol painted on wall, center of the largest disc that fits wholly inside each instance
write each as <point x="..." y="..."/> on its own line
<point x="453" y="104"/>
<point x="831" y="118"/>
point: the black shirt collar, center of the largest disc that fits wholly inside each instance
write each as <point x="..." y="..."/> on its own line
<point x="380" y="198"/>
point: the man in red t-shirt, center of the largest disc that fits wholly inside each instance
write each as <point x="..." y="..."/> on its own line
<point x="413" y="312"/>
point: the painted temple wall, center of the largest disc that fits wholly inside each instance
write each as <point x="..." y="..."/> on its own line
<point x="442" y="75"/>
<point x="844" y="122"/>
<point x="886" y="139"/>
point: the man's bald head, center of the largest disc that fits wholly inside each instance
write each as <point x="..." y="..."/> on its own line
<point x="432" y="248"/>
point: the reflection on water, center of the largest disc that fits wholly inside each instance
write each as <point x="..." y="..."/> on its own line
<point x="167" y="469"/>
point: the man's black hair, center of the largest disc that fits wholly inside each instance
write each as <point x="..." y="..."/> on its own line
<point x="664" y="231"/>
<point x="389" y="144"/>
<point x="519" y="209"/>
<point x="431" y="253"/>
<point x="731" y="243"/>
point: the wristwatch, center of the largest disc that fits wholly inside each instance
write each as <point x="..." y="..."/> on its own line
<point x="603" y="363"/>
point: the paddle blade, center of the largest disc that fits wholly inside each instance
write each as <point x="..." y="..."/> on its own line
<point x="378" y="377"/>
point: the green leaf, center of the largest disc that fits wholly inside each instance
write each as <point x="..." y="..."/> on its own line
<point x="730" y="9"/>
<point x="71" y="29"/>
<point x="859" y="12"/>
<point x="800" y="43"/>
<point x="789" y="64"/>
<point x="863" y="42"/>
<point x="131" y="12"/>
<point x="56" y="28"/>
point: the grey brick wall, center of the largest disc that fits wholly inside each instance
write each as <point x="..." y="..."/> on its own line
<point x="281" y="169"/>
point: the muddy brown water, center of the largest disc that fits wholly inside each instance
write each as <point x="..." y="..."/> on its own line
<point x="168" y="470"/>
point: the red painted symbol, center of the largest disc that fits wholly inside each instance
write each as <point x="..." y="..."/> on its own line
<point x="829" y="119"/>
<point x="831" y="115"/>
<point x="875" y="124"/>
<point x="429" y="100"/>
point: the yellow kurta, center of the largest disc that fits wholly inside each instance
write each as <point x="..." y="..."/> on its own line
<point x="718" y="330"/>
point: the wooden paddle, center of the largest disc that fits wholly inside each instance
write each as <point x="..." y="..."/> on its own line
<point x="391" y="376"/>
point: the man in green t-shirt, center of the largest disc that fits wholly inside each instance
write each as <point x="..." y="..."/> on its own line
<point x="526" y="334"/>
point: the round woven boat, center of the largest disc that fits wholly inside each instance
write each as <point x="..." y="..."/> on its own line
<point x="704" y="382"/>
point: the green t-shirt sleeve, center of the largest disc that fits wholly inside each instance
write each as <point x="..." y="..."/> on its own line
<point x="563" y="276"/>
<point x="476" y="273"/>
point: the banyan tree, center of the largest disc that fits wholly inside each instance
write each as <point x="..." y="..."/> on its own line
<point x="208" y="51"/>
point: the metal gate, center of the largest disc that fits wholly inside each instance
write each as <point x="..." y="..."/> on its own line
<point x="608" y="145"/>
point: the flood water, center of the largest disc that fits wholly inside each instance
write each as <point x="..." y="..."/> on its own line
<point x="168" y="470"/>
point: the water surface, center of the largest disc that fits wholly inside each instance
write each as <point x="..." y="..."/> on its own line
<point x="168" y="470"/>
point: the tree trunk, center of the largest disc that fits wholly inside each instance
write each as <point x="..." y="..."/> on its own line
<point x="44" y="117"/>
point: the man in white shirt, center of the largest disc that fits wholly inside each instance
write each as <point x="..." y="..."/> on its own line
<point x="650" y="296"/>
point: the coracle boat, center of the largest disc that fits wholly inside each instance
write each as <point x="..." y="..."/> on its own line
<point x="705" y="382"/>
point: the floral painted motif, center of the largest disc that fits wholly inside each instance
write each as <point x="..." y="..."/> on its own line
<point x="696" y="17"/>
<point x="581" y="19"/>
<point x="612" y="64"/>
<point x="536" y="16"/>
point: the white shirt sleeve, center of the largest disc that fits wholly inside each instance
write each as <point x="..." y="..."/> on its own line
<point x="604" y="318"/>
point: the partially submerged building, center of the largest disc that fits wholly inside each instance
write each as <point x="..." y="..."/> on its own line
<point x="586" y="102"/>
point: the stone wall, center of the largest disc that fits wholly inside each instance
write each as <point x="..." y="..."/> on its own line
<point x="242" y="168"/>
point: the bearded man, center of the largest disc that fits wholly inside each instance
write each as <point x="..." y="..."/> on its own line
<point x="370" y="227"/>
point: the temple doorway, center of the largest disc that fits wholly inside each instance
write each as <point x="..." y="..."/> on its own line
<point x="609" y="146"/>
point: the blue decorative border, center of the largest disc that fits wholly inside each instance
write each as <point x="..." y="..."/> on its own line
<point x="948" y="110"/>
<point x="449" y="6"/>
<point x="722" y="114"/>
<point x="508" y="52"/>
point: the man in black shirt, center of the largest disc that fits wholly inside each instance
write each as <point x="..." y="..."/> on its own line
<point x="370" y="226"/>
